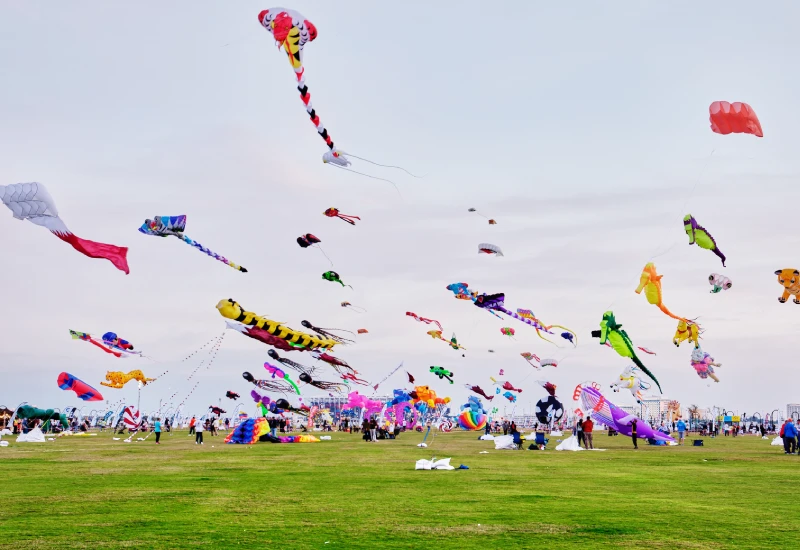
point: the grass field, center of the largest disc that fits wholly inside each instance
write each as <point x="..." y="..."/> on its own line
<point x="93" y="492"/>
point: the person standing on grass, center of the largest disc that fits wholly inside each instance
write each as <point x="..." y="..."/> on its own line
<point x="588" y="427"/>
<point x="633" y="434"/>
<point x="681" y="430"/>
<point x="157" y="430"/>
<point x="198" y="437"/>
<point x="789" y="433"/>
<point x="373" y="428"/>
<point x="581" y="435"/>
<point x="192" y="423"/>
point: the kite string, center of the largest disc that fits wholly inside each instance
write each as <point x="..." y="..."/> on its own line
<point x="345" y="153"/>
<point x="367" y="175"/>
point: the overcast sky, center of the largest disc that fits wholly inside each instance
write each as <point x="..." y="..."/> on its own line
<point x="582" y="129"/>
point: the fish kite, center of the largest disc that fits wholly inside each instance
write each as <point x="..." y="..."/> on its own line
<point x="333" y="277"/>
<point x="164" y="226"/>
<point x="719" y="282"/>
<point x="699" y="235"/>
<point x="334" y="213"/>
<point x="612" y="332"/>
<point x="650" y="282"/>
<point x="442" y="373"/>
<point x="479" y="391"/>
<point x="453" y="342"/>
<point x="410" y="377"/>
<point x="32" y="202"/>
<point x="84" y="391"/>
<point x="424" y="319"/>
<point x="335" y="362"/>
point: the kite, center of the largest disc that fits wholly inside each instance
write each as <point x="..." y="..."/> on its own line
<point x="334" y="213"/>
<point x="734" y="118"/>
<point x="131" y="417"/>
<point x="117" y="379"/>
<point x="362" y="331"/>
<point x="164" y="226"/>
<point x="501" y="370"/>
<point x="84" y="391"/>
<point x="608" y="414"/>
<point x="216" y="410"/>
<point x="699" y="235"/>
<point x="719" y="282"/>
<point x="488" y="248"/>
<point x="231" y="395"/>
<point x="510" y="396"/>
<point x="479" y="391"/>
<point x="324" y="332"/>
<point x="410" y="377"/>
<point x="629" y="380"/>
<point x="646" y="350"/>
<point x="471" y="420"/>
<point x="333" y="277"/>
<point x="528" y="356"/>
<point x="277" y="385"/>
<point x="549" y="409"/>
<point x="263" y="336"/>
<point x="394" y="370"/>
<point x="289" y="363"/>
<point x="310" y="240"/>
<point x="333" y="361"/>
<point x="548" y="363"/>
<point x="790" y="280"/>
<point x="424" y="319"/>
<point x="508" y="331"/>
<point x="109" y="343"/>
<point x="687" y="330"/>
<point x="612" y="332"/>
<point x="437" y="335"/>
<point x="704" y="364"/>
<point x="32" y="202"/>
<point x="278" y="373"/>
<point x="279" y="406"/>
<point x="505" y="385"/>
<point x="350" y="377"/>
<point x="35" y="413"/>
<point x="356" y="308"/>
<point x="442" y="373"/>
<point x="327" y="386"/>
<point x="650" y="282"/>
<point x="231" y="309"/>
<point x="527" y="315"/>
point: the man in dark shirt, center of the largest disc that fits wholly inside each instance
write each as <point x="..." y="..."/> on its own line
<point x="633" y="434"/>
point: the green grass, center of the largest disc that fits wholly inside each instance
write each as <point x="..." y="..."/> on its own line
<point x="97" y="493"/>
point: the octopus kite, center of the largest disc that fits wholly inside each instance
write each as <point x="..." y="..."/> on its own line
<point x="325" y="332"/>
<point x="165" y="226"/>
<point x="612" y="332"/>
<point x="335" y="362"/>
<point x="650" y="282"/>
<point x="117" y="379"/>
<point x="699" y="235"/>
<point x="355" y="308"/>
<point x="289" y="363"/>
<point x="277" y="385"/>
<point x="337" y="387"/>
<point x="334" y="213"/>
<point x="442" y="373"/>
<point x="32" y="202"/>
<point x="704" y="364"/>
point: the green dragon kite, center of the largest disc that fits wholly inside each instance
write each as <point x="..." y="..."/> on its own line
<point x="612" y="333"/>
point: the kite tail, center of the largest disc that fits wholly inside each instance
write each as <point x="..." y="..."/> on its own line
<point x="384" y="165"/>
<point x="349" y="219"/>
<point x="645" y="370"/>
<point x="117" y="255"/>
<point x="719" y="254"/>
<point x="665" y="311"/>
<point x="305" y="97"/>
<point x="214" y="255"/>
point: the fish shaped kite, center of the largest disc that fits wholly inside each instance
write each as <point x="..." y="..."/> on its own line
<point x="612" y="332"/>
<point x="699" y="235"/>
<point x="650" y="282"/>
<point x="334" y="213"/>
<point x="719" y="282"/>
<point x="510" y="396"/>
<point x="333" y="277"/>
<point x="32" y="202"/>
<point x="165" y="226"/>
<point x="84" y="391"/>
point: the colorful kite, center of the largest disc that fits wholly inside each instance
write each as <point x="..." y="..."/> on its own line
<point x="335" y="362"/>
<point x="504" y="384"/>
<point x="650" y="282"/>
<point x="350" y="377"/>
<point x="734" y="118"/>
<point x="549" y="409"/>
<point x="479" y="391"/>
<point x="608" y="414"/>
<point x="356" y="308"/>
<point x="325" y="332"/>
<point x="337" y="387"/>
<point x="289" y="363"/>
<point x="510" y="396"/>
<point x="687" y="330"/>
<point x="528" y="356"/>
<point x="310" y="240"/>
<point x="333" y="277"/>
<point x="630" y="380"/>
<point x="278" y="373"/>
<point x="84" y="391"/>
<point x="109" y="343"/>
<point x="612" y="332"/>
<point x="437" y="335"/>
<point x="263" y="336"/>
<point x="424" y="319"/>
<point x="719" y="282"/>
<point x="268" y="385"/>
<point x="699" y="235"/>
<point x="790" y="281"/>
<point x="650" y="352"/>
<point x="32" y="202"/>
<point x="117" y="379"/>
<point x="539" y="327"/>
<point x="488" y="248"/>
<point x="334" y="213"/>
<point x="165" y="226"/>
<point x="704" y="364"/>
<point x="442" y="373"/>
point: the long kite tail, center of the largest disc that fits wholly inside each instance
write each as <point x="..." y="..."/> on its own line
<point x="518" y="317"/>
<point x="645" y="370"/>
<point x="665" y="311"/>
<point x="306" y="99"/>
<point x="719" y="254"/>
<point x="214" y="255"/>
<point x="568" y="330"/>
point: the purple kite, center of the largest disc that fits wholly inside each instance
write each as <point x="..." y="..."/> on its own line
<point x="613" y="417"/>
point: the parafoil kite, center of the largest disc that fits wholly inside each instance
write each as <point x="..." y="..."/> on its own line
<point x="279" y="373"/>
<point x="333" y="277"/>
<point x="790" y="281"/>
<point x="612" y="332"/>
<point x="507" y="331"/>
<point x="630" y="380"/>
<point x="442" y="373"/>
<point x="488" y="248"/>
<point x="479" y="391"/>
<point x="699" y="235"/>
<point x="310" y="240"/>
<point x="734" y="118"/>
<point x="165" y="226"/>
<point x="650" y="282"/>
<point x="687" y="330"/>
<point x="719" y="282"/>
<point x="289" y="363"/>
<point x="231" y="395"/>
<point x="84" y="391"/>
<point x="424" y="319"/>
<point x="231" y="309"/>
<point x="322" y="385"/>
<point x="117" y="379"/>
<point x="32" y="202"/>
<point x="109" y="343"/>
<point x="334" y="213"/>
<point x="704" y="364"/>
<point x="351" y="306"/>
<point x="325" y="332"/>
<point x="548" y="363"/>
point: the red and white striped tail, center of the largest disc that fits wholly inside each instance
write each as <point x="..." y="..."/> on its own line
<point x="131" y="418"/>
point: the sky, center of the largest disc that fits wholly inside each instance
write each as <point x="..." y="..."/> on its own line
<point x="582" y="129"/>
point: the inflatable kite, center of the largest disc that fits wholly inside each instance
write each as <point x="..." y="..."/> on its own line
<point x="248" y="432"/>
<point x="357" y="401"/>
<point x="34" y="413"/>
<point x="117" y="379"/>
<point x="453" y="342"/>
<point x="704" y="364"/>
<point x="165" y="226"/>
<point x="612" y="416"/>
<point x="471" y="421"/>
<point x="32" y="202"/>
<point x="699" y="235"/>
<point x="362" y="331"/>
<point x="356" y="308"/>
<point x="310" y="240"/>
<point x="650" y="282"/>
<point x="687" y="330"/>
<point x="507" y="331"/>
<point x="132" y="418"/>
<point x="488" y="248"/>
<point x="424" y="319"/>
<point x="83" y="390"/>
<point x="442" y="373"/>
<point x="231" y="309"/>
<point x="289" y="363"/>
<point x="335" y="362"/>
<point x="719" y="282"/>
<point x="109" y="343"/>
<point x="321" y="384"/>
<point x="325" y="332"/>
<point x="790" y="281"/>
<point x="263" y="336"/>
<point x="505" y="384"/>
<point x="231" y="395"/>
<point x="351" y="377"/>
<point x="612" y="332"/>
<point x="334" y="213"/>
<point x="278" y="373"/>
<point x="549" y="409"/>
<point x="216" y="410"/>
<point x="734" y="118"/>
<point x="528" y="356"/>
<point x="333" y="277"/>
<point x="277" y="385"/>
<point x="629" y="380"/>
<point x="479" y="391"/>
<point x="526" y="315"/>
<point x="510" y="396"/>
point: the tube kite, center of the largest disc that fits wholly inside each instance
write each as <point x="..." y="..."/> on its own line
<point x="84" y="391"/>
<point x="650" y="282"/>
<point x="32" y="202"/>
<point x="612" y="332"/>
<point x="699" y="235"/>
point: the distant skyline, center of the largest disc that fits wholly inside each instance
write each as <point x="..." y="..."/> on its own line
<point x="582" y="129"/>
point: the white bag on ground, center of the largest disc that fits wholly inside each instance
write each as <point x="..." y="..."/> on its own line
<point x="486" y="437"/>
<point x="569" y="444"/>
<point x="504" y="442"/>
<point x="33" y="436"/>
<point x="441" y="464"/>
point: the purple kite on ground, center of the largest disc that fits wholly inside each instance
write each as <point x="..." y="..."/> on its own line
<point x="613" y="417"/>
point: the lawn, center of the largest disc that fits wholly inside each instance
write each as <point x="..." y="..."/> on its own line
<point x="96" y="493"/>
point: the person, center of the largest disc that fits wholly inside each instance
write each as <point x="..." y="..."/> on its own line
<point x="512" y="428"/>
<point x="365" y="429"/>
<point x="192" y="423"/>
<point x="588" y="426"/>
<point x="681" y="425"/>
<point x="157" y="430"/>
<point x="789" y="433"/>
<point x="198" y="437"/>
<point x="373" y="427"/>
<point x="505" y="427"/>
<point x="488" y="428"/>
<point x="581" y="435"/>
<point x="391" y="430"/>
<point x="633" y="434"/>
<point x="214" y="426"/>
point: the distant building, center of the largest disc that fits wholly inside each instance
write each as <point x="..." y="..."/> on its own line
<point x="335" y="404"/>
<point x="654" y="410"/>
<point x="792" y="409"/>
